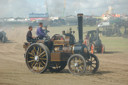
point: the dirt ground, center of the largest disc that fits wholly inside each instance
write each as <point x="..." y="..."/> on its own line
<point x="13" y="70"/>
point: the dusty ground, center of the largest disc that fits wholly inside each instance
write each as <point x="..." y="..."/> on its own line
<point x="13" y="71"/>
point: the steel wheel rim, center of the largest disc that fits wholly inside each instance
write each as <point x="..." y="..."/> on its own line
<point x="77" y="65"/>
<point x="36" y="58"/>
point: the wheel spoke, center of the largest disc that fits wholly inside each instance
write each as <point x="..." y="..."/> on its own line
<point x="43" y="59"/>
<point x="43" y="62"/>
<point x="31" y="57"/>
<point x="33" y="64"/>
<point x="38" y="51"/>
<point x="72" y="66"/>
<point x="31" y="61"/>
<point x="82" y="64"/>
<point x="31" y="54"/>
<point x="81" y="68"/>
<point x="94" y="63"/>
<point x="34" y="49"/>
<point x="92" y="66"/>
<point x="38" y="66"/>
<point x="93" y="60"/>
<point x="42" y="53"/>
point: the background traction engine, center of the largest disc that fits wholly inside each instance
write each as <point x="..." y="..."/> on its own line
<point x="54" y="54"/>
<point x="93" y="42"/>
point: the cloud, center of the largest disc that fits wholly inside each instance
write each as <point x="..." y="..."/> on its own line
<point x="22" y="8"/>
<point x="88" y="7"/>
<point x="17" y="8"/>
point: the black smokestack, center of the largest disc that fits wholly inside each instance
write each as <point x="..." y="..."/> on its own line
<point x="80" y="27"/>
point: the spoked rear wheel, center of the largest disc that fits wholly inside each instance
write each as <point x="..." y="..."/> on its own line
<point x="92" y="64"/>
<point x="58" y="66"/>
<point x="77" y="64"/>
<point x="37" y="58"/>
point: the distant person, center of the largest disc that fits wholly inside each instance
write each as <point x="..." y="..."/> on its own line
<point x="29" y="36"/>
<point x="40" y="31"/>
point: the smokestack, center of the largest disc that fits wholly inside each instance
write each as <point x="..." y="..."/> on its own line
<point x="80" y="27"/>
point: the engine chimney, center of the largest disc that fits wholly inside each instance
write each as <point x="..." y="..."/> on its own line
<point x="80" y="27"/>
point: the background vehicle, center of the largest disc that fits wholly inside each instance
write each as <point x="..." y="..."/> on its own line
<point x="93" y="42"/>
<point x="3" y="37"/>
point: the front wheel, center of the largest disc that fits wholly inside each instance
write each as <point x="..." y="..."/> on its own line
<point x="77" y="64"/>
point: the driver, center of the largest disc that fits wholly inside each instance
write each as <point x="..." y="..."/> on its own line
<point x="40" y="31"/>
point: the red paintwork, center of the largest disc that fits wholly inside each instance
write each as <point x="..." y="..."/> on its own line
<point x="34" y="19"/>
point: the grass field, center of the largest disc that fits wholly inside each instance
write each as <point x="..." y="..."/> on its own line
<point x="111" y="43"/>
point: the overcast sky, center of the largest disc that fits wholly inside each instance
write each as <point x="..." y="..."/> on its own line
<point x="21" y="8"/>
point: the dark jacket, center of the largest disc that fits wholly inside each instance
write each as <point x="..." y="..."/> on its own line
<point x="29" y="36"/>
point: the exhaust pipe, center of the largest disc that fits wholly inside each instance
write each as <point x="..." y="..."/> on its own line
<point x="80" y="27"/>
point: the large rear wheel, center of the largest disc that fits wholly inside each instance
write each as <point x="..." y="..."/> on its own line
<point x="37" y="58"/>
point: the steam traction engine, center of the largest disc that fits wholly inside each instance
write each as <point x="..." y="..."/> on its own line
<point x="93" y="42"/>
<point x="55" y="53"/>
